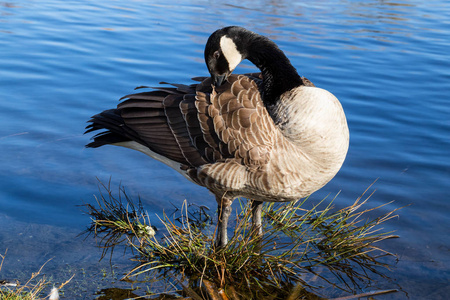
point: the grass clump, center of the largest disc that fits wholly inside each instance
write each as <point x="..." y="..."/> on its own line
<point x="300" y="252"/>
<point x="32" y="289"/>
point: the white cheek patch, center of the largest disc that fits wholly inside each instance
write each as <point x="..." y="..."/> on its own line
<point x="230" y="52"/>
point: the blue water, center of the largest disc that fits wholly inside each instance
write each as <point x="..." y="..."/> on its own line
<point x="63" y="61"/>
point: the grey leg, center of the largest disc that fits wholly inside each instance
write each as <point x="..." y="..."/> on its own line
<point x="224" y="212"/>
<point x="256" y="216"/>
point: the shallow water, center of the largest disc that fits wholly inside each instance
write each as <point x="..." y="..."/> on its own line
<point x="63" y="61"/>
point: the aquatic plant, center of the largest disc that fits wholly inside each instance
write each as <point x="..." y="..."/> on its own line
<point x="300" y="250"/>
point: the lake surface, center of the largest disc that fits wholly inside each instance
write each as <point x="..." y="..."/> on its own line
<point x="63" y="61"/>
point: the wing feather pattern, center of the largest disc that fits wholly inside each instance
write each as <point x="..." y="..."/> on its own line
<point x="240" y="121"/>
<point x="193" y="125"/>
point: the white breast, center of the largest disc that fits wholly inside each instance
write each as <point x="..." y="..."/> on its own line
<point x="315" y="139"/>
<point x="314" y="119"/>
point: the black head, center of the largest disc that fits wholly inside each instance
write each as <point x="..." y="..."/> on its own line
<point x="222" y="54"/>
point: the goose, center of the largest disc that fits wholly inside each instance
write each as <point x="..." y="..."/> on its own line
<point x="268" y="136"/>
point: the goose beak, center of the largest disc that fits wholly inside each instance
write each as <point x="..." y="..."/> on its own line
<point x="218" y="80"/>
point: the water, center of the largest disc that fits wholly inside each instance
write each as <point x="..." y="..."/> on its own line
<point x="63" y="61"/>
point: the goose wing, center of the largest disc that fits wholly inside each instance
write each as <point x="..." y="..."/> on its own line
<point x="161" y="120"/>
<point x="243" y="130"/>
<point x="193" y="125"/>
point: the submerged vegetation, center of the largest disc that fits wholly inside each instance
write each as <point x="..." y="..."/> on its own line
<point x="301" y="253"/>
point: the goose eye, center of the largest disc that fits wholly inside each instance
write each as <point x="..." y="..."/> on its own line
<point x="216" y="54"/>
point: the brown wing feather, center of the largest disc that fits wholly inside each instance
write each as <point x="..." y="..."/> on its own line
<point x="194" y="124"/>
<point x="240" y="121"/>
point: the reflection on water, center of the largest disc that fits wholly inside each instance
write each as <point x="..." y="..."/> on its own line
<point x="387" y="62"/>
<point x="8" y="5"/>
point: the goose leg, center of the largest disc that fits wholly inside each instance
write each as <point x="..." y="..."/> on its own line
<point x="256" y="217"/>
<point x="224" y="212"/>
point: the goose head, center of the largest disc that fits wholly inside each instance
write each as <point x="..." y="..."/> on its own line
<point x="228" y="46"/>
<point x="222" y="54"/>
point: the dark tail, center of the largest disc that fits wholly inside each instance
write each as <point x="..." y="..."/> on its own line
<point x="112" y="122"/>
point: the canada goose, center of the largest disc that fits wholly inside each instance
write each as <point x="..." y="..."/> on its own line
<point x="272" y="136"/>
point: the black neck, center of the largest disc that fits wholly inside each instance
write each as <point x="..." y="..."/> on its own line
<point x="279" y="76"/>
